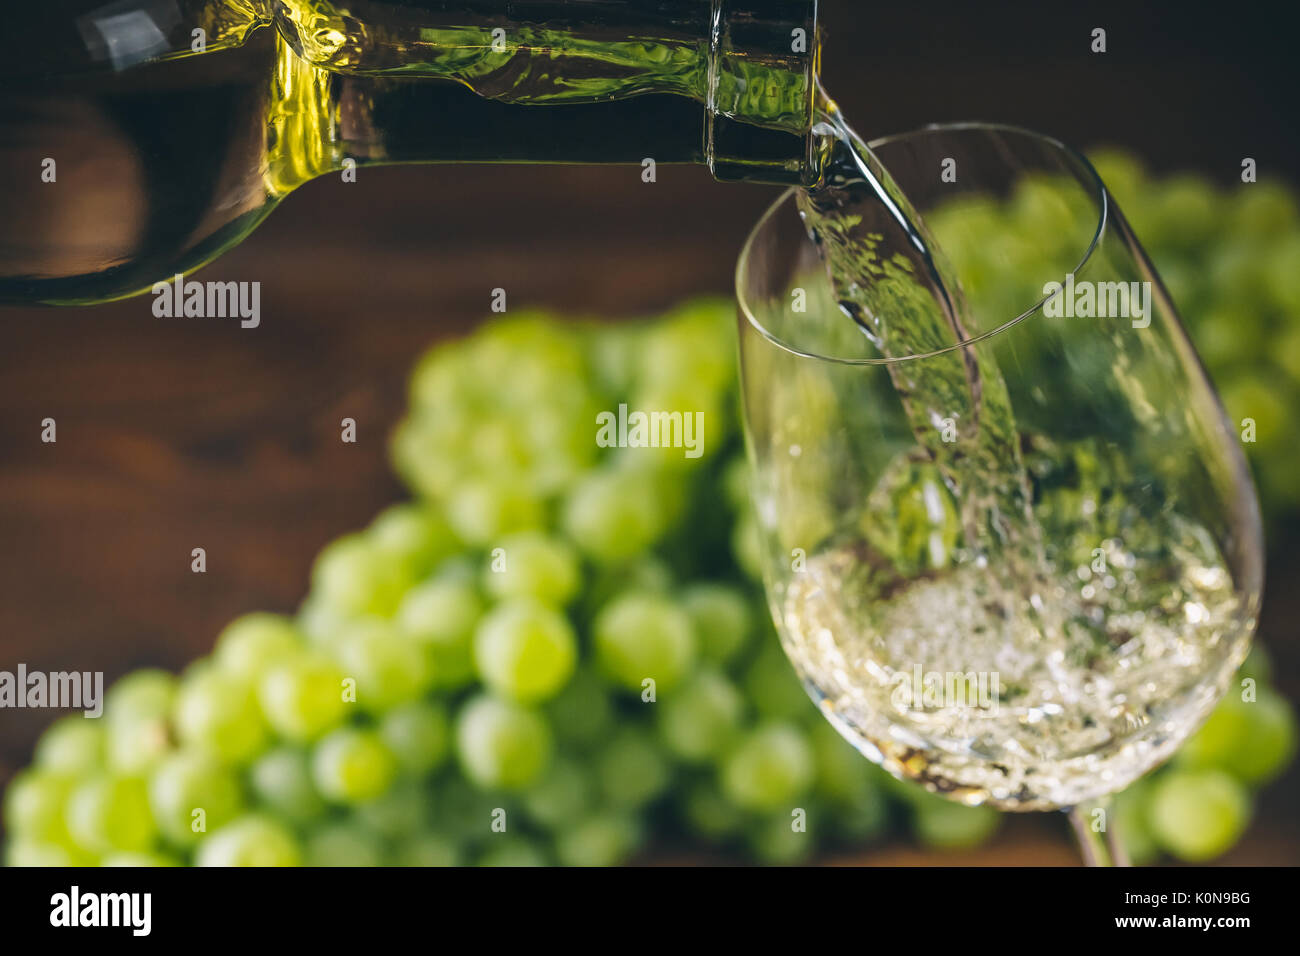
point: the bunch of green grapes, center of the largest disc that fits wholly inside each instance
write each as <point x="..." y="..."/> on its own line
<point x="557" y="653"/>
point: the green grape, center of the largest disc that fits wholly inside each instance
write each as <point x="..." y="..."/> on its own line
<point x="343" y="844"/>
<point x="441" y="615"/>
<point x="686" y="434"/>
<point x="252" y="644"/>
<point x="946" y="825"/>
<point x="1282" y="272"/>
<point x="844" y="776"/>
<point x="108" y="813"/>
<point x="1185" y="212"/>
<point x="771" y="685"/>
<point x="34" y="806"/>
<point x="1196" y="815"/>
<point x="148" y="694"/>
<point x="640" y="636"/>
<point x="469" y="814"/>
<point x="533" y="565"/>
<point x="281" y="780"/>
<point x="1122" y="173"/>
<point x="353" y="576"/>
<point x="1254" y="741"/>
<point x="614" y="351"/>
<point x="252" y="840"/>
<point x="613" y="515"/>
<point x="513" y="851"/>
<point x="736" y="483"/>
<point x="139" y="860"/>
<point x="1258" y="665"/>
<point x="1268" y="402"/>
<point x="722" y="618"/>
<point x="582" y="714"/>
<point x="777" y="840"/>
<point x="186" y="783"/>
<point x="1265" y="209"/>
<point x="351" y="765"/>
<point x="711" y="814"/>
<point x="134" y="744"/>
<point x="418" y="735"/>
<point x="219" y="714"/>
<point x="484" y="509"/>
<point x="500" y="744"/>
<point x="427" y="849"/>
<point x="701" y="718"/>
<point x="524" y="650"/>
<point x="604" y="840"/>
<point x="303" y="698"/>
<point x="769" y="770"/>
<point x="747" y="546"/>
<point x="401" y="811"/>
<point x="389" y="668"/>
<point x="73" y="745"/>
<point x="22" y="852"/>
<point x="694" y="344"/>
<point x="561" y="797"/>
<point x="416" y="533"/>
<point x="631" y="770"/>
<point x="863" y="821"/>
<point x="1131" y="823"/>
<point x="320" y="623"/>
<point x="1228" y="335"/>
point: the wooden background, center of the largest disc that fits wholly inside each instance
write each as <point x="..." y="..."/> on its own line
<point x="175" y="434"/>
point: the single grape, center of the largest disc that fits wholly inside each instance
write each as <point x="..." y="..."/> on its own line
<point x="303" y="698"/>
<point x="191" y="794"/>
<point x="34" y="806"/>
<point x="281" y="780"/>
<point x="352" y="766"/>
<point x="389" y="669"/>
<point x="631" y="770"/>
<point x="1196" y="815"/>
<point x="701" y="718"/>
<point x="582" y="714"/>
<point x="416" y="533"/>
<point x="418" y="735"/>
<point x="406" y="808"/>
<point x="427" y="849"/>
<point x="711" y="814"/>
<point x="252" y="840"/>
<point x="148" y="694"/>
<point x="524" y="650"/>
<point x="943" y="824"/>
<point x="355" y="577"/>
<point x="604" y="840"/>
<point x="613" y="515"/>
<point x="343" y="844"/>
<point x="722" y="617"/>
<point x="747" y="546"/>
<point x="440" y="615"/>
<point x="23" y="852"/>
<point x="483" y="510"/>
<point x="252" y="644"/>
<point x="561" y="797"/>
<point x="219" y="714"/>
<point x="500" y="744"/>
<point x="73" y="746"/>
<point x="1265" y="209"/>
<point x="771" y="685"/>
<point x="770" y="769"/>
<point x="107" y="813"/>
<point x="641" y="636"/>
<point x="533" y="565"/>
<point x="784" y="838"/>
<point x="134" y="744"/>
<point x="1130" y="821"/>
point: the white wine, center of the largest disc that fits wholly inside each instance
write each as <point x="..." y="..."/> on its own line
<point x="1022" y="638"/>
<point x="934" y="681"/>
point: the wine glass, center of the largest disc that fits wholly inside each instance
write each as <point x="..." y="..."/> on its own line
<point x="1032" y="629"/>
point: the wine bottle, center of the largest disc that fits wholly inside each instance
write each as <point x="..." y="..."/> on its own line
<point x="126" y="157"/>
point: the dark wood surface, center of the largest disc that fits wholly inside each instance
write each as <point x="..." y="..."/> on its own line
<point x="183" y="433"/>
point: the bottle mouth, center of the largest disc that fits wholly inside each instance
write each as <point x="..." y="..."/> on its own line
<point x="1073" y="164"/>
<point x="763" y="63"/>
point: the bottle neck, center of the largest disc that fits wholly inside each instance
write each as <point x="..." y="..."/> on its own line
<point x="750" y="65"/>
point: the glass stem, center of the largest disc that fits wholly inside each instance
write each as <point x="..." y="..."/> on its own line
<point x="1097" y="835"/>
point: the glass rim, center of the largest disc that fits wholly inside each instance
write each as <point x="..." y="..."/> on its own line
<point x="1094" y="183"/>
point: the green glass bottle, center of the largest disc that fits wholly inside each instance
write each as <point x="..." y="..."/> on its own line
<point x="127" y="157"/>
